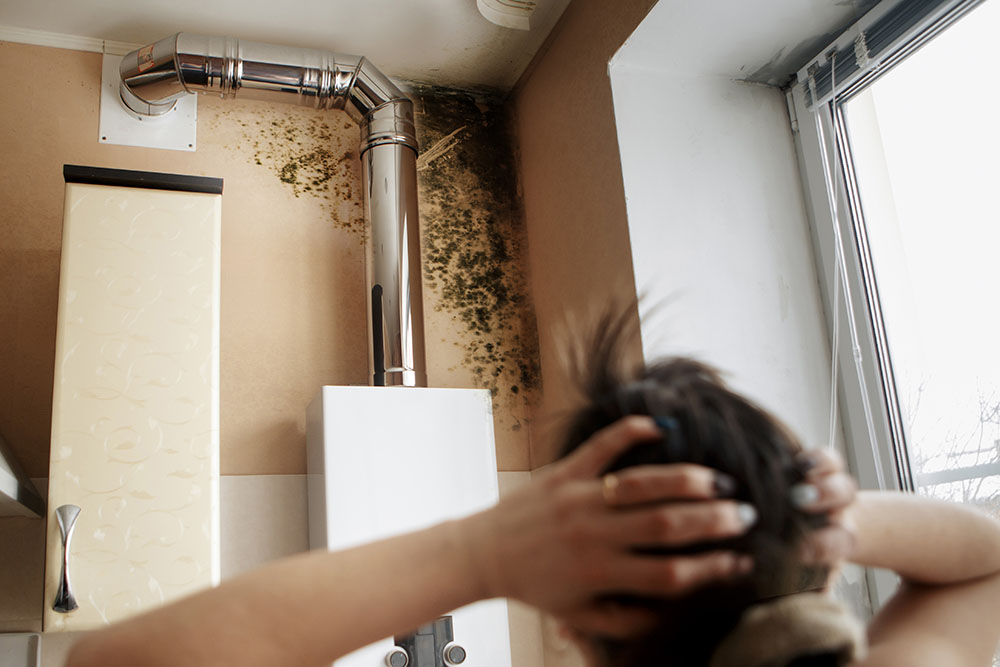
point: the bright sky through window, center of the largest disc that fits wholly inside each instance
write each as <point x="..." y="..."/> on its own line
<point x="926" y="146"/>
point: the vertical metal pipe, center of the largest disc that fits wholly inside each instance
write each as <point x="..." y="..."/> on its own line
<point x="156" y="75"/>
<point x="395" y="304"/>
<point x="395" y="309"/>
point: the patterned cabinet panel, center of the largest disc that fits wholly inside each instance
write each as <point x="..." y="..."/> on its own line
<point x="135" y="418"/>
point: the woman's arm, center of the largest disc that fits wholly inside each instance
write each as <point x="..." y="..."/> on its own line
<point x="947" y="611"/>
<point x="925" y="541"/>
<point x="557" y="543"/>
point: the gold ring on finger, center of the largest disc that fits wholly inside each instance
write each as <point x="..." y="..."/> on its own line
<point x="609" y="488"/>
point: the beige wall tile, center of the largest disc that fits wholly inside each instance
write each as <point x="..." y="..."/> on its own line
<point x="527" y="647"/>
<point x="22" y="566"/>
<point x="560" y="650"/>
<point x="264" y="517"/>
<point x="56" y="646"/>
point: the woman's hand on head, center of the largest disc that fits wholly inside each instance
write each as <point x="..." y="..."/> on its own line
<point x="569" y="536"/>
<point x="828" y="489"/>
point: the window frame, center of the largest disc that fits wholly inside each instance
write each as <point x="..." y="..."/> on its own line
<point x="810" y="130"/>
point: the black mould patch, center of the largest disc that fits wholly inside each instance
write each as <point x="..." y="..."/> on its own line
<point x="473" y="238"/>
<point x="781" y="68"/>
<point x="312" y="153"/>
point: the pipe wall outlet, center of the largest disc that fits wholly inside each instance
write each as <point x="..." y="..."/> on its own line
<point x="176" y="129"/>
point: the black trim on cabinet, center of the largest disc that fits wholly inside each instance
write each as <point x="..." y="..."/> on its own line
<point x="141" y="179"/>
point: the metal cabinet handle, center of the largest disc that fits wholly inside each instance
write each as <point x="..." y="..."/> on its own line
<point x="66" y="515"/>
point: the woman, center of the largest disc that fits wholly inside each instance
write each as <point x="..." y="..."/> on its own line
<point x="947" y="611"/>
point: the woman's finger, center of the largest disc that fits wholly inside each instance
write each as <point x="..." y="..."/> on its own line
<point x="606" y="445"/>
<point x="649" y="483"/>
<point x="827" y="546"/>
<point x="679" y="523"/>
<point x="676" y="575"/>
<point x="823" y="494"/>
<point x="821" y="461"/>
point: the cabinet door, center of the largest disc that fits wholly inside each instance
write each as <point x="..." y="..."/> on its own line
<point x="135" y="415"/>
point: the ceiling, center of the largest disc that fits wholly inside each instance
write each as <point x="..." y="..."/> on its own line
<point x="442" y="42"/>
<point x="450" y="43"/>
<point x="762" y="41"/>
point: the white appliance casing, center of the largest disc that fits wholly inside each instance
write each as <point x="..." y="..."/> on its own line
<point x="388" y="460"/>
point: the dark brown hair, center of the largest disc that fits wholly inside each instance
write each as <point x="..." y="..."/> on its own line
<point x="703" y="422"/>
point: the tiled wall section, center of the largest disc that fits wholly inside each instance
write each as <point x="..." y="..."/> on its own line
<point x="263" y="517"/>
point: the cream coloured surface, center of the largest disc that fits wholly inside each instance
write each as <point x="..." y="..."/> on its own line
<point x="135" y="425"/>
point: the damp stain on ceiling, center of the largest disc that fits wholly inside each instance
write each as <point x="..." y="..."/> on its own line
<point x="441" y="42"/>
<point x="763" y="41"/>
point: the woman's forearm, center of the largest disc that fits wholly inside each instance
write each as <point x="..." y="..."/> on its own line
<point x="561" y="543"/>
<point x="306" y="610"/>
<point x="923" y="540"/>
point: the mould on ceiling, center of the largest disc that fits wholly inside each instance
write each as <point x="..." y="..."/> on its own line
<point x="473" y="239"/>
<point x="313" y="153"/>
<point x="782" y="66"/>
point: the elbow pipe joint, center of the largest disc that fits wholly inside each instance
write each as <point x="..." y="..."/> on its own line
<point x="154" y="77"/>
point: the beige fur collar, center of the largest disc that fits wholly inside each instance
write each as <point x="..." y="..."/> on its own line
<point x="773" y="633"/>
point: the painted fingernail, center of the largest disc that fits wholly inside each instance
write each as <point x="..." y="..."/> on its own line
<point x="667" y="423"/>
<point x="747" y="514"/>
<point x="804" y="495"/>
<point x="724" y="485"/>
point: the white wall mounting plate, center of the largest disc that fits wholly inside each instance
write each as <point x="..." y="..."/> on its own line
<point x="175" y="130"/>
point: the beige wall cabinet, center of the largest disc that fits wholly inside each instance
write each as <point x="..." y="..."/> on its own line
<point x="135" y="420"/>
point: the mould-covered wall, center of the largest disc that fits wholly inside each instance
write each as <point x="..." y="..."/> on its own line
<point x="574" y="200"/>
<point x="293" y="309"/>
<point x="481" y="322"/>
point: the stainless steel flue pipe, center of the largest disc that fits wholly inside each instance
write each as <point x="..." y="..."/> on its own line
<point x="154" y="77"/>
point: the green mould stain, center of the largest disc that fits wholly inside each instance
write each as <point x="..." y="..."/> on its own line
<point x="473" y="239"/>
<point x="472" y="225"/>
<point x="314" y="153"/>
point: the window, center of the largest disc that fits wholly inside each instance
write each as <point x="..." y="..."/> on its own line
<point x="923" y="142"/>
<point x="898" y="139"/>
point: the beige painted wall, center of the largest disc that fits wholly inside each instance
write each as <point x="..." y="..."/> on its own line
<point x="574" y="199"/>
<point x="293" y="309"/>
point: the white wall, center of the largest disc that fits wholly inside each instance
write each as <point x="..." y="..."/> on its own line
<point x="718" y="229"/>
